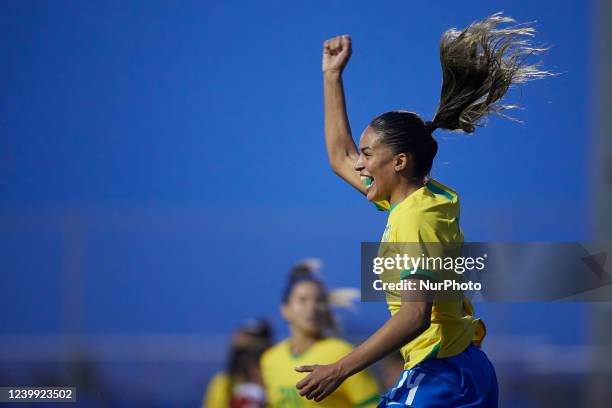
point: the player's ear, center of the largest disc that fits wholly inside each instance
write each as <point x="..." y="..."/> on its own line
<point x="402" y="161"/>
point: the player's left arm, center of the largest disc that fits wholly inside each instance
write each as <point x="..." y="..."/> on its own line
<point x="412" y="319"/>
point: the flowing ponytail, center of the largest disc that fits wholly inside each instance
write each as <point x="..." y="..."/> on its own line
<point x="479" y="64"/>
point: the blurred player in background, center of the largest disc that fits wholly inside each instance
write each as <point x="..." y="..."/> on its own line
<point x="240" y="385"/>
<point x="306" y="308"/>
<point x="444" y="366"/>
<point x="247" y="384"/>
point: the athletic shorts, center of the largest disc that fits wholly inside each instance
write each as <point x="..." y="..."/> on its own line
<point x="465" y="380"/>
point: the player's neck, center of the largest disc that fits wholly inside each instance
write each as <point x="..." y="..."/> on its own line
<point x="300" y="342"/>
<point x="402" y="191"/>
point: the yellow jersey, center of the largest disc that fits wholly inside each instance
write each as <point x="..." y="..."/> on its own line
<point x="280" y="377"/>
<point x="218" y="392"/>
<point x="431" y="215"/>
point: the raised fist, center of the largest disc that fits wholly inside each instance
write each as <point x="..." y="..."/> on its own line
<point x="336" y="53"/>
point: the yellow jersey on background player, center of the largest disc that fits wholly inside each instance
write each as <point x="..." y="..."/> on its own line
<point x="218" y="392"/>
<point x="430" y="215"/>
<point x="279" y="376"/>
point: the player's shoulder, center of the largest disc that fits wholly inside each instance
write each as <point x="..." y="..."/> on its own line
<point x="220" y="379"/>
<point x="216" y="390"/>
<point x="431" y="201"/>
<point x="441" y="192"/>
<point x="435" y="195"/>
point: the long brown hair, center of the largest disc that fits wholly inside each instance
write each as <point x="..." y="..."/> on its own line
<point x="479" y="64"/>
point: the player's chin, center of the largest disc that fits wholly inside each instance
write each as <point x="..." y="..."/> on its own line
<point x="372" y="195"/>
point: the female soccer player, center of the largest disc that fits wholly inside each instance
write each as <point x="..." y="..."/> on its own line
<point x="306" y="308"/>
<point x="247" y="343"/>
<point x="439" y="340"/>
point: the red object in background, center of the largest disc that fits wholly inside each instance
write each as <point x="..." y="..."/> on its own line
<point x="248" y="395"/>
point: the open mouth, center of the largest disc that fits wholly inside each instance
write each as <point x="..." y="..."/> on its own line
<point x="367" y="180"/>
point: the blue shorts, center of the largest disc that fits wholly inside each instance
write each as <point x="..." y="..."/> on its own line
<point x="465" y="380"/>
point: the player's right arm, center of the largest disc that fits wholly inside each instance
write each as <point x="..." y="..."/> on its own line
<point x="341" y="148"/>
